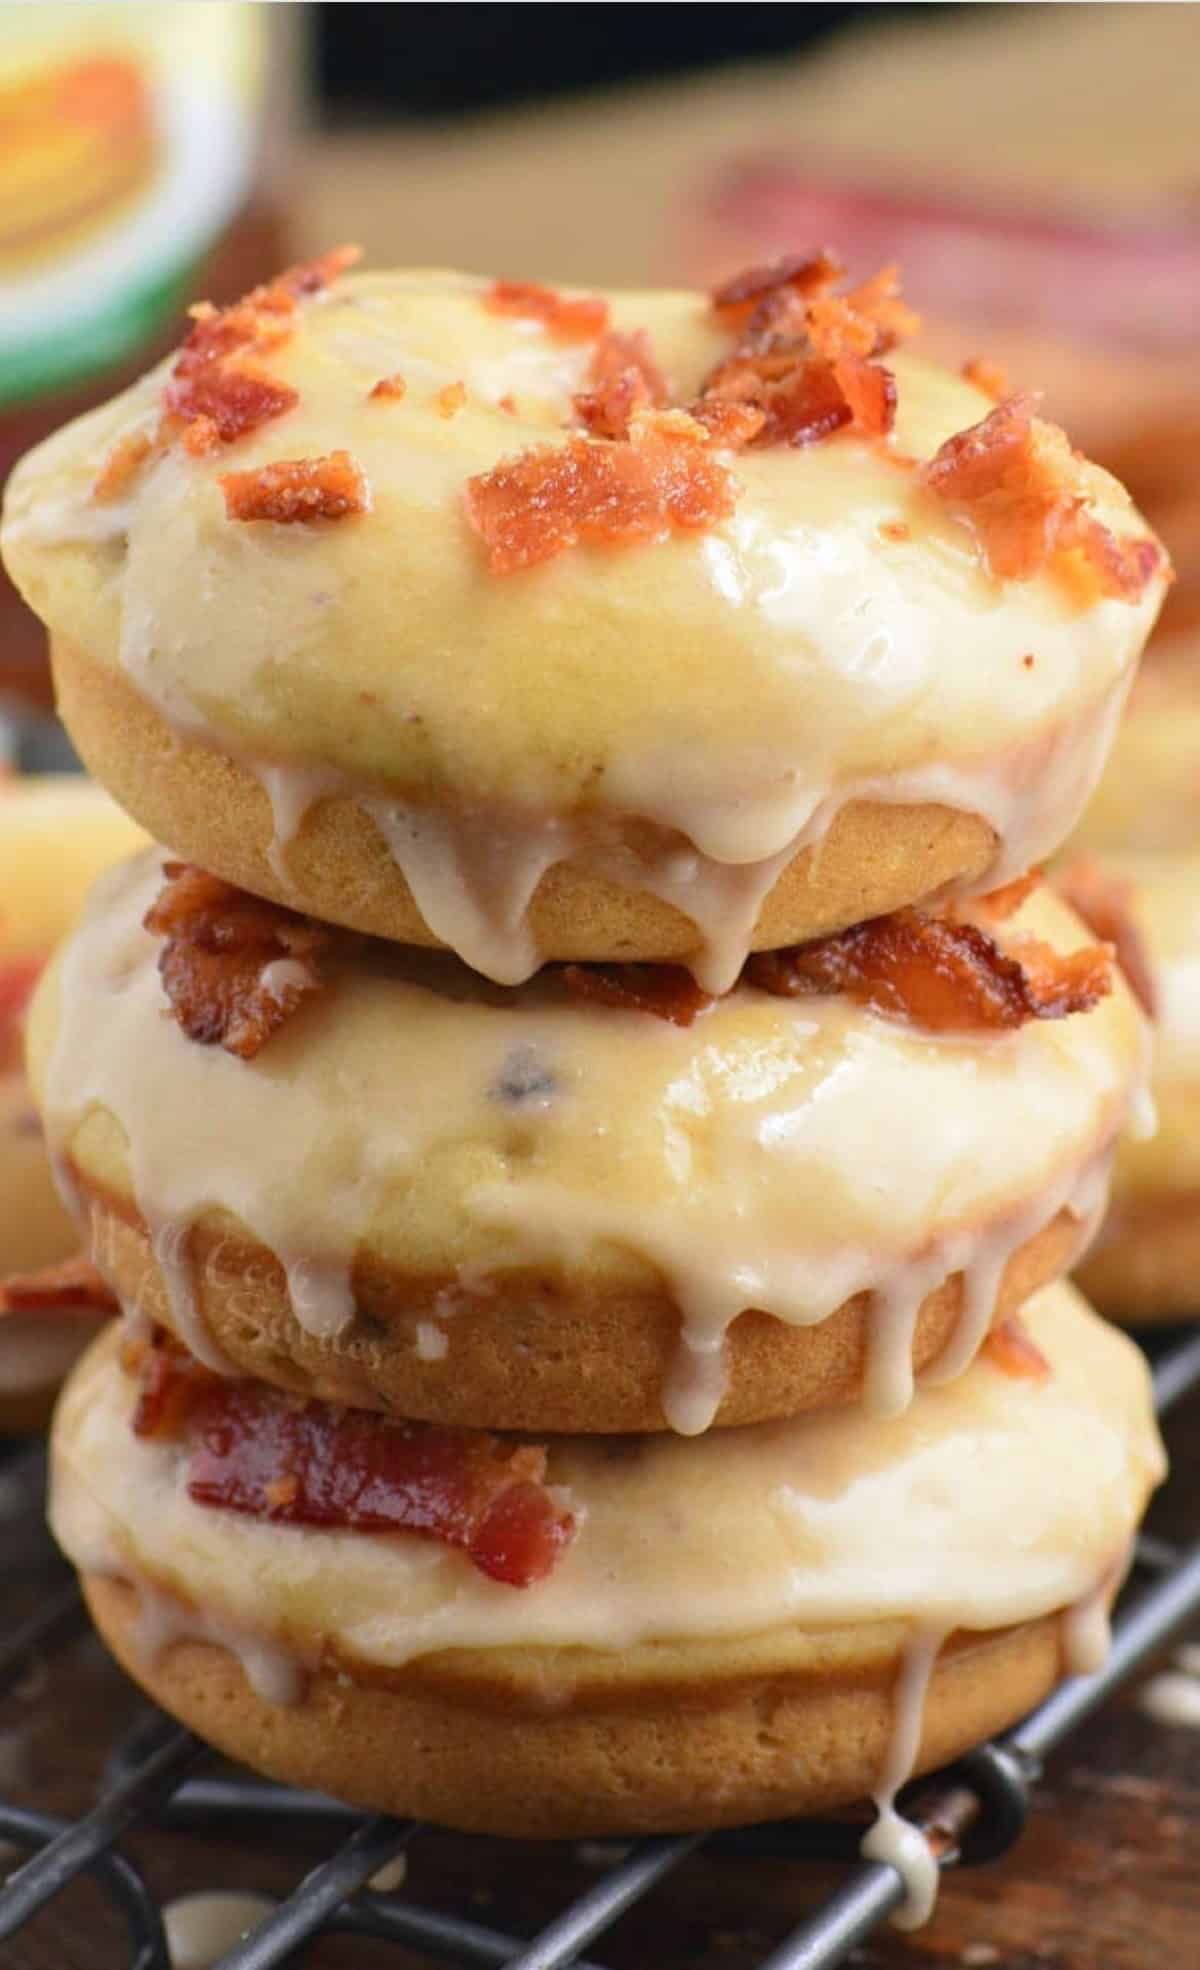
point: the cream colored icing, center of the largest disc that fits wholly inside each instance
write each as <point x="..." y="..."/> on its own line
<point x="735" y="686"/>
<point x="748" y="1161"/>
<point x="992" y="1500"/>
<point x="892" y="1838"/>
<point x="202" y="1928"/>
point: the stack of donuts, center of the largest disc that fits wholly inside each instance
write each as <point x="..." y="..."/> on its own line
<point x="587" y="1113"/>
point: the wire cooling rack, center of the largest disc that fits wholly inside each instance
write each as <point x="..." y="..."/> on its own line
<point x="971" y="1812"/>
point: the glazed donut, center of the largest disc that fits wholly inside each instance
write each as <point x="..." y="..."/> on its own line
<point x="811" y="702"/>
<point x="514" y="1208"/>
<point x="767" y="1621"/>
<point x="1145" y="1264"/>
<point x="56" y="834"/>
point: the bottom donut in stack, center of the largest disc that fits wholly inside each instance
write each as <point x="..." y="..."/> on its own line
<point x="603" y="1634"/>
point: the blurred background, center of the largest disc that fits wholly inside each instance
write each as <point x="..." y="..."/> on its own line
<point x="1035" y="169"/>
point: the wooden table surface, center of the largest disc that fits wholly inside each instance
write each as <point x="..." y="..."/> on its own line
<point x="1107" y="1876"/>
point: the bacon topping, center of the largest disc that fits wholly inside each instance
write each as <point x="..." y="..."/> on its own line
<point x="942" y="975"/>
<point x="297" y="489"/>
<point x="122" y="464"/>
<point x="170" y="1381"/>
<point x="450" y="399"/>
<point x="1023" y="491"/>
<point x="234" y="967"/>
<point x="388" y="388"/>
<point x="799" y="273"/>
<point x="1104" y="901"/>
<point x="988" y="376"/>
<point x="805" y="357"/>
<point x="1011" y="1347"/>
<point x="530" y="508"/>
<point x="210" y="397"/>
<point x="71" y="1286"/>
<point x="253" y="1450"/>
<point x="666" y="990"/>
<point x="571" y="320"/>
<point x="625" y="379"/>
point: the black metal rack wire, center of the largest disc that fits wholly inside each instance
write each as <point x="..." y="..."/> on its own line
<point x="971" y="1812"/>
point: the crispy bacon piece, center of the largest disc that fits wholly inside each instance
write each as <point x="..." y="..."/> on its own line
<point x="234" y="967"/>
<point x="71" y="1286"/>
<point x="297" y="489"/>
<point x="530" y="508"/>
<point x="254" y="1451"/>
<point x="574" y="319"/>
<point x="1020" y="487"/>
<point x="988" y="376"/>
<point x="170" y="1382"/>
<point x="998" y="904"/>
<point x="207" y="398"/>
<point x="799" y="273"/>
<point x="1104" y="901"/>
<point x="388" y="389"/>
<point x="805" y="356"/>
<point x="624" y="379"/>
<point x="122" y="464"/>
<point x="224" y="403"/>
<point x="1011" y="1347"/>
<point x="666" y="990"/>
<point x="937" y="973"/>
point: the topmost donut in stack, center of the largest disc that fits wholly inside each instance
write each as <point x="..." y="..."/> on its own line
<point x="321" y="620"/>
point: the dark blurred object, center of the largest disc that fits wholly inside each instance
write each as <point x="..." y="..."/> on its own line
<point x="433" y="60"/>
<point x="138" y="156"/>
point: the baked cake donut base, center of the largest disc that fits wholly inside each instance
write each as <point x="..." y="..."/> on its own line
<point x="700" y="1746"/>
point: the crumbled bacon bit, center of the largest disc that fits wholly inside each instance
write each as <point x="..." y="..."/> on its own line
<point x="390" y="388"/>
<point x="1020" y="487"/>
<point x="800" y="273"/>
<point x="212" y="403"/>
<point x="1105" y="902"/>
<point x="624" y="379"/>
<point x="71" y="1286"/>
<point x="234" y="966"/>
<point x="1011" y="1347"/>
<point x="170" y="1382"/>
<point x="508" y="404"/>
<point x="898" y="530"/>
<point x="666" y="990"/>
<point x="297" y="489"/>
<point x="574" y="319"/>
<point x="225" y="403"/>
<point x="122" y="464"/>
<point x="730" y="426"/>
<point x="450" y="399"/>
<point x="997" y="905"/>
<point x="805" y="357"/>
<point x="988" y="376"/>
<point x="938" y="973"/>
<point x="254" y="1450"/>
<point x="530" y="508"/>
